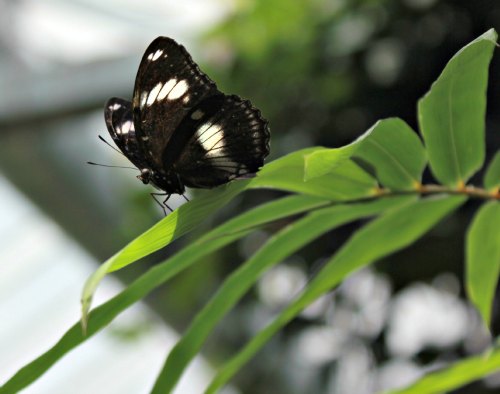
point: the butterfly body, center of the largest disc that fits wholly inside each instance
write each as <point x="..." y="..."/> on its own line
<point x="180" y="130"/>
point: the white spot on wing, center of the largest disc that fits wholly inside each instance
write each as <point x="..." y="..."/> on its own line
<point x="185" y="100"/>
<point x="144" y="96"/>
<point x="116" y="106"/>
<point x="167" y="88"/>
<point x="211" y="137"/>
<point x="178" y="91"/>
<point x="125" y="127"/>
<point x="202" y="129"/>
<point x="156" y="55"/>
<point x="154" y="93"/>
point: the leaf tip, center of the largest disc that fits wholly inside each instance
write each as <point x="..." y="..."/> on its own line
<point x="307" y="171"/>
<point x="86" y="303"/>
<point x="491" y="35"/>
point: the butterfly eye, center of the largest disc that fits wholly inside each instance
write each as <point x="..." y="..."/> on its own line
<point x="145" y="176"/>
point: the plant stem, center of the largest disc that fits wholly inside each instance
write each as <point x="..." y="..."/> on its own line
<point x="468" y="190"/>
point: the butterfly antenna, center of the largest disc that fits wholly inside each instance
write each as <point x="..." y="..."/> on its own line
<point x="111" y="146"/>
<point x="106" y="165"/>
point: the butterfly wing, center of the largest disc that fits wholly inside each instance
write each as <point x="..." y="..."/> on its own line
<point x="120" y="124"/>
<point x="230" y="140"/>
<point x="181" y="129"/>
<point x="168" y="85"/>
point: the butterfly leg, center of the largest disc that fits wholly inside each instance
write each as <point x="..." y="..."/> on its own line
<point x="165" y="201"/>
<point x="163" y="204"/>
<point x="185" y="198"/>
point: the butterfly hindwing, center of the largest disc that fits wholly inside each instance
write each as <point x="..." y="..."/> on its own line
<point x="227" y="142"/>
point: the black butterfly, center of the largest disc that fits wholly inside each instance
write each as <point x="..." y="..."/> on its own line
<point x="180" y="130"/>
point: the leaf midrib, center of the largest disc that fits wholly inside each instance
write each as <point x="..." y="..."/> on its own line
<point x="393" y="159"/>
<point x="458" y="172"/>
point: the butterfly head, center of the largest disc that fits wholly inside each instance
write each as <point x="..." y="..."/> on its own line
<point x="145" y="175"/>
<point x="169" y="182"/>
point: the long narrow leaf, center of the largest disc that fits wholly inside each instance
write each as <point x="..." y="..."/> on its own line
<point x="456" y="375"/>
<point x="176" y="224"/>
<point x="451" y="114"/>
<point x="156" y="276"/>
<point x="392" y="231"/>
<point x="287" y="173"/>
<point x="280" y="246"/>
<point x="483" y="258"/>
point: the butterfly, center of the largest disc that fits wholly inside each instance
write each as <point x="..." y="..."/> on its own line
<point x="180" y="130"/>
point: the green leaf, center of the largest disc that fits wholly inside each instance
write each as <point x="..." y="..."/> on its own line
<point x="483" y="258"/>
<point x="456" y="375"/>
<point x="452" y="113"/>
<point x="396" y="153"/>
<point x="280" y="246"/>
<point x="322" y="161"/>
<point x="390" y="232"/>
<point x="176" y="224"/>
<point x="390" y="146"/>
<point x="492" y="176"/>
<point x="101" y="316"/>
<point x="345" y="182"/>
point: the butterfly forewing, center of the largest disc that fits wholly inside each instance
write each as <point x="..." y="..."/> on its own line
<point x="168" y="85"/>
<point x="120" y="124"/>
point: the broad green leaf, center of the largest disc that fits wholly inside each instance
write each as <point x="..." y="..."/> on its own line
<point x="492" y="176"/>
<point x="483" y="258"/>
<point x="323" y="161"/>
<point x="345" y="182"/>
<point x="390" y="232"/>
<point x="288" y="160"/>
<point x="395" y="152"/>
<point x="280" y="246"/>
<point x="455" y="375"/>
<point x="158" y="275"/>
<point x="452" y="113"/>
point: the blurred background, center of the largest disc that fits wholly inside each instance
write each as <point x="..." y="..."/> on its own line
<point x="322" y="72"/>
